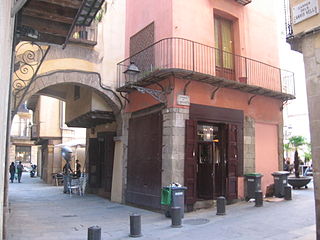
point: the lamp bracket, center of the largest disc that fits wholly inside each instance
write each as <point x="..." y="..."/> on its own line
<point x="156" y="94"/>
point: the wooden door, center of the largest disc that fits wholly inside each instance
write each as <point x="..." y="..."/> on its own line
<point x="106" y="157"/>
<point x="94" y="163"/>
<point x="232" y="162"/>
<point x="205" y="173"/>
<point x="190" y="164"/>
<point x="220" y="161"/>
<point x="145" y="160"/>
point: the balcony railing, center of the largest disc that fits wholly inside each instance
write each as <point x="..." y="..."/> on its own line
<point x="87" y="35"/>
<point x="177" y="54"/>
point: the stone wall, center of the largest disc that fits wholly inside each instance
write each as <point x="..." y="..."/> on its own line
<point x="249" y="145"/>
<point x="173" y="142"/>
<point x="310" y="45"/>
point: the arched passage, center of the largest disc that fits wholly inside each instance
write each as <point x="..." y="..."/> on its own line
<point x="74" y="67"/>
<point x="82" y="78"/>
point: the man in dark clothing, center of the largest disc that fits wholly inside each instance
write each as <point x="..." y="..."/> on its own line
<point x="12" y="171"/>
<point x="19" y="171"/>
<point x="66" y="153"/>
<point x="78" y="169"/>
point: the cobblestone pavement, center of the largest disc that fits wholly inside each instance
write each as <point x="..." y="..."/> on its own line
<point x="42" y="212"/>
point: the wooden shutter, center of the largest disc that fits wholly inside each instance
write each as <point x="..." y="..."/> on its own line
<point x="232" y="162"/>
<point x="190" y="164"/>
<point x="145" y="161"/>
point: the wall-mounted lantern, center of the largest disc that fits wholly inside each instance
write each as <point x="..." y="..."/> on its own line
<point x="131" y="73"/>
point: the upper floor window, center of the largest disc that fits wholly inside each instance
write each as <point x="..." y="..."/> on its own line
<point x="223" y="38"/>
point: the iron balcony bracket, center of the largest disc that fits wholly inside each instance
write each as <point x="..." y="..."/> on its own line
<point x="156" y="94"/>
<point x="251" y="98"/>
<point x="214" y="93"/>
<point x="29" y="57"/>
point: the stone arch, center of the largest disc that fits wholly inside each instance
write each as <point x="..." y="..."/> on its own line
<point x="84" y="78"/>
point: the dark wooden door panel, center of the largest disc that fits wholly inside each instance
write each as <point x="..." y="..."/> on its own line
<point x="145" y="160"/>
<point x="232" y="161"/>
<point x="94" y="166"/>
<point x="106" y="155"/>
<point x="190" y="164"/>
<point x="205" y="180"/>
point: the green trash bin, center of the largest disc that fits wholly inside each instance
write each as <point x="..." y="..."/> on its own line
<point x="166" y="196"/>
<point x="173" y="196"/>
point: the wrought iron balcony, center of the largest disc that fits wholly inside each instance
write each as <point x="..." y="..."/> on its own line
<point x="194" y="61"/>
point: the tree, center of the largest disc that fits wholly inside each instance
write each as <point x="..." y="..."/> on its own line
<point x="287" y="148"/>
<point x="297" y="142"/>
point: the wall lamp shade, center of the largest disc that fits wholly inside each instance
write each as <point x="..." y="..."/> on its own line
<point x="132" y="69"/>
<point x="131" y="73"/>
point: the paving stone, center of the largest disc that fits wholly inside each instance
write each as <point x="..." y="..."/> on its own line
<point x="39" y="211"/>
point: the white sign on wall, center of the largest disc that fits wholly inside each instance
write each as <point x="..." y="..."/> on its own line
<point x="304" y="10"/>
<point x="183" y="100"/>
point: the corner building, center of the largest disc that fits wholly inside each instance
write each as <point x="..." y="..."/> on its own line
<point x="204" y="100"/>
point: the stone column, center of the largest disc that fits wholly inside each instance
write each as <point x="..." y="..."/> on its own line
<point x="311" y="54"/>
<point x="48" y="180"/>
<point x="173" y="142"/>
<point x="120" y="162"/>
<point x="249" y="145"/>
<point x="117" y="173"/>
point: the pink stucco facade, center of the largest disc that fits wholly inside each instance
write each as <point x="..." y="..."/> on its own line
<point x="254" y="35"/>
<point x="266" y="151"/>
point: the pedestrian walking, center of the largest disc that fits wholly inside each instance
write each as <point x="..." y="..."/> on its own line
<point x="12" y="170"/>
<point x="19" y="170"/>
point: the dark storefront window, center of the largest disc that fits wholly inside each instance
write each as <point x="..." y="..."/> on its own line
<point x="23" y="154"/>
<point x="207" y="133"/>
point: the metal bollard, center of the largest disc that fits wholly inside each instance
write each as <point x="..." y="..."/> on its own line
<point x="221" y="206"/>
<point x="94" y="233"/>
<point x="258" y="198"/>
<point x="176" y="217"/>
<point x="135" y="225"/>
<point x="287" y="193"/>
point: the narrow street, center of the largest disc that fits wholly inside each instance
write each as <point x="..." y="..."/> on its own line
<point x="40" y="211"/>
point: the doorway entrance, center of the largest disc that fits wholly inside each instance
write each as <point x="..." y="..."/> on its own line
<point x="211" y="160"/>
<point x="101" y="153"/>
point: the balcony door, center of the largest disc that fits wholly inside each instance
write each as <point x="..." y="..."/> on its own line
<point x="224" y="53"/>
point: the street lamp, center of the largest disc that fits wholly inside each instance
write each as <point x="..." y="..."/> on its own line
<point x="131" y="73"/>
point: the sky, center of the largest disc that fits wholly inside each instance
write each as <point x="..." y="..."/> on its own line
<point x="295" y="113"/>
